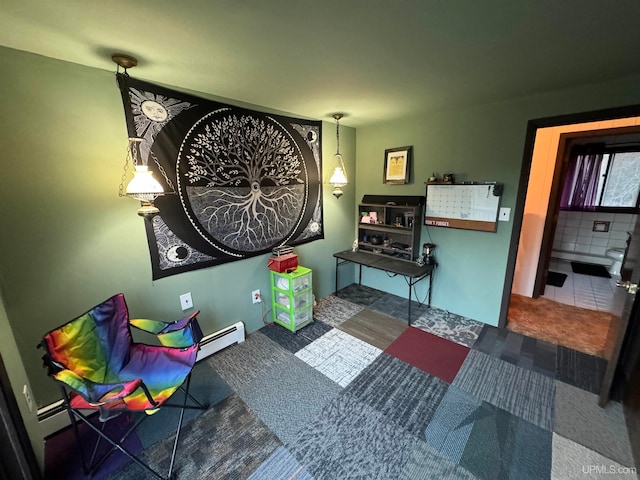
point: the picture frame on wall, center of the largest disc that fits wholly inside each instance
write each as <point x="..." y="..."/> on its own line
<point x="397" y="163"/>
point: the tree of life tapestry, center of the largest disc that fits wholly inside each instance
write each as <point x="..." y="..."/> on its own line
<point x="245" y="181"/>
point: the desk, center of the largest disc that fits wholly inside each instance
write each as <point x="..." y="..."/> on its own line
<point x="413" y="273"/>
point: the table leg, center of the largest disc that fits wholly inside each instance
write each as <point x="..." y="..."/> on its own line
<point x="409" y="312"/>
<point x="336" y="290"/>
<point x="360" y="275"/>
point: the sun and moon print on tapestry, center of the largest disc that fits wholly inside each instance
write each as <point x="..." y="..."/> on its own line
<point x="245" y="181"/>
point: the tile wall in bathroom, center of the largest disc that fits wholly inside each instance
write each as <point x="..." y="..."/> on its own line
<point x="574" y="232"/>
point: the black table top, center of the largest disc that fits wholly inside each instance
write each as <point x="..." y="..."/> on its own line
<point x="389" y="264"/>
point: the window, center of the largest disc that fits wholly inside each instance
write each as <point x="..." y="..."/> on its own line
<point x="600" y="178"/>
<point x="620" y="180"/>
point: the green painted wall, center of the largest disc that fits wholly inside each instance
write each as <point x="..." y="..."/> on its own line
<point x="483" y="143"/>
<point x="18" y="377"/>
<point x="68" y="241"/>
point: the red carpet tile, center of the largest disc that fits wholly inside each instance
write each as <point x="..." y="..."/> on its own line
<point x="435" y="355"/>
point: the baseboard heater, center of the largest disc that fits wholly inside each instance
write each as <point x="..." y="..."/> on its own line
<point x="54" y="417"/>
<point x="220" y="340"/>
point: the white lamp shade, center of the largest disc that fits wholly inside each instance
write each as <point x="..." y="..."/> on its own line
<point x="143" y="186"/>
<point x="338" y="179"/>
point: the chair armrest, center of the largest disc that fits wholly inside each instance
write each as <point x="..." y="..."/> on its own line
<point x="181" y="333"/>
<point x="147" y="325"/>
<point x="101" y="393"/>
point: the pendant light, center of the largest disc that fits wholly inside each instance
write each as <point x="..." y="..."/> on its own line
<point x="339" y="177"/>
<point x="143" y="186"/>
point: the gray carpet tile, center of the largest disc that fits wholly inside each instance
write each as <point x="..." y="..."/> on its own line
<point x="227" y="442"/>
<point x="294" y="341"/>
<point x="527" y="394"/>
<point x="503" y="446"/>
<point x="579" y="418"/>
<point x="488" y="441"/>
<point x="360" y="294"/>
<point x="373" y="327"/>
<point x="207" y="387"/>
<point x="339" y="356"/>
<point x="405" y="395"/>
<point x="580" y="369"/>
<point x="448" y="325"/>
<point x="450" y="428"/>
<point x="334" y="310"/>
<point x="396" y="306"/>
<point x="242" y="364"/>
<point x="285" y="398"/>
<point x="424" y="464"/>
<point x="281" y="465"/>
<point x="526" y="352"/>
<point x="351" y="440"/>
<point x="571" y="461"/>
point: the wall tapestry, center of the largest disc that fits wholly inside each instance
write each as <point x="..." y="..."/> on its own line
<point x="245" y="181"/>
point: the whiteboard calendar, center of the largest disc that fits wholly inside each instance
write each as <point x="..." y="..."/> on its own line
<point x="468" y="206"/>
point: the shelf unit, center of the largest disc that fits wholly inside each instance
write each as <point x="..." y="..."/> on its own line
<point x="292" y="298"/>
<point x="398" y="220"/>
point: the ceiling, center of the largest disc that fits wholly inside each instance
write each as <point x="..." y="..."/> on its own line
<point x="371" y="59"/>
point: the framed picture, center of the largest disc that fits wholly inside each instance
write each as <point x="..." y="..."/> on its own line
<point x="397" y="162"/>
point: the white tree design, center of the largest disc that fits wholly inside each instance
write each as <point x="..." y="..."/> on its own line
<point x="248" y="180"/>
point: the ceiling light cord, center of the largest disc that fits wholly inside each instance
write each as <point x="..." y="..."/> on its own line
<point x="338" y="134"/>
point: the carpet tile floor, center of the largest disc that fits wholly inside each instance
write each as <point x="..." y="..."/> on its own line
<point x="526" y="352"/>
<point x="437" y="356"/>
<point x="580" y="369"/>
<point x="324" y="404"/>
<point x="456" y="328"/>
<point x="521" y="392"/>
<point x="339" y="356"/>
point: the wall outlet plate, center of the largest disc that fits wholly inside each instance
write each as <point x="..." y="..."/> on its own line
<point x="505" y="214"/>
<point x="27" y="397"/>
<point x="255" y="296"/>
<point x="185" y="301"/>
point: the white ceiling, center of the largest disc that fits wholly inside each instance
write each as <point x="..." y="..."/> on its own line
<point x="371" y="59"/>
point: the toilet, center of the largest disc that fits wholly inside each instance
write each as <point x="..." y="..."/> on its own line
<point x="616" y="255"/>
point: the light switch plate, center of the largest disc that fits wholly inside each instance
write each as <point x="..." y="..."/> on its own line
<point x="185" y="301"/>
<point x="505" y="214"/>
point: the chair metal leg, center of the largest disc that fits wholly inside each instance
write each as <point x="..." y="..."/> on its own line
<point x="115" y="444"/>
<point x="92" y="465"/>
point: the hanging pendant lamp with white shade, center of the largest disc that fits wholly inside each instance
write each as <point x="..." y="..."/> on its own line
<point x="339" y="176"/>
<point x="143" y="186"/>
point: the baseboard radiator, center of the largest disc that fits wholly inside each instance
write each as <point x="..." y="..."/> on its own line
<point x="54" y="417"/>
<point x="220" y="340"/>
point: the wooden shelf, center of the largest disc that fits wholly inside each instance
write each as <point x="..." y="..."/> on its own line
<point x="387" y="209"/>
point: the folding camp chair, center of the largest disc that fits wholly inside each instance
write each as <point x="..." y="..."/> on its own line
<point x="99" y="367"/>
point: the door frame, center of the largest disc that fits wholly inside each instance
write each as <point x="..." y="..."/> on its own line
<point x="555" y="196"/>
<point x="523" y="183"/>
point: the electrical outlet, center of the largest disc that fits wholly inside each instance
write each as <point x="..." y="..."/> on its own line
<point x="27" y="396"/>
<point x="255" y="296"/>
<point x="185" y="301"/>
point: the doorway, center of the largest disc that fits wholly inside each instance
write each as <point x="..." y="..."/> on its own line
<point x="537" y="248"/>
<point x="566" y="237"/>
<point x="623" y="369"/>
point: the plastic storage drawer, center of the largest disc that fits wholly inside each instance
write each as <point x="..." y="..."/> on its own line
<point x="293" y="320"/>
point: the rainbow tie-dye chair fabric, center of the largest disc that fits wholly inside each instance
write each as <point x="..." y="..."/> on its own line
<point x="99" y="367"/>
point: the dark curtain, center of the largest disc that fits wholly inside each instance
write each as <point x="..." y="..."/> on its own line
<point x="583" y="174"/>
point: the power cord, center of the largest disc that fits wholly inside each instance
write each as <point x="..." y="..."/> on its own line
<point x="264" y="313"/>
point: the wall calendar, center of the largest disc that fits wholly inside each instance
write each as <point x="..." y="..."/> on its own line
<point x="470" y="206"/>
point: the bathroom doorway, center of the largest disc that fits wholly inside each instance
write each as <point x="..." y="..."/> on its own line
<point x="548" y="144"/>
<point x="581" y="237"/>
